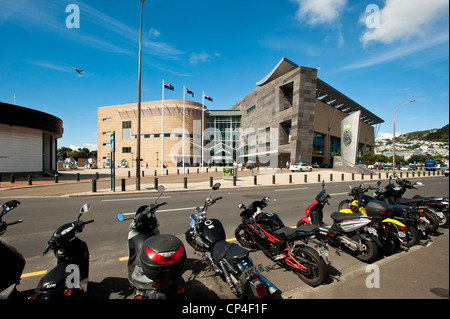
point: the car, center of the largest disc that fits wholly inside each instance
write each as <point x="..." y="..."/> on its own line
<point x="404" y="168"/>
<point x="300" y="167"/>
<point x="446" y="172"/>
<point x="315" y="165"/>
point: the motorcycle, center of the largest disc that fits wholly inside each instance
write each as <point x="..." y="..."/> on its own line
<point x="12" y="262"/>
<point x="285" y="246"/>
<point x="414" y="225"/>
<point x="352" y="232"/>
<point x="232" y="262"/>
<point x="155" y="261"/>
<point x="69" y="278"/>
<point x="392" y="194"/>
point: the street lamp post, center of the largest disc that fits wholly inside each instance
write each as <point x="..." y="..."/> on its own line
<point x="138" y="149"/>
<point x="393" y="137"/>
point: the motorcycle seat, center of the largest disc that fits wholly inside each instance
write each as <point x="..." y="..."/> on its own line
<point x="408" y="201"/>
<point x="294" y="233"/>
<point x="339" y="217"/>
<point x="428" y="197"/>
<point x="231" y="251"/>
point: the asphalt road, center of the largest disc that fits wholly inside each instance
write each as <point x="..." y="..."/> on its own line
<point x="107" y="241"/>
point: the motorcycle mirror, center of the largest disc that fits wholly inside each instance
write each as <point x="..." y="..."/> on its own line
<point x="216" y="186"/>
<point x="8" y="206"/>
<point x="378" y="183"/>
<point x="161" y="189"/>
<point x="266" y="199"/>
<point x="120" y="217"/>
<point x="241" y="206"/>
<point x="418" y="183"/>
<point x="84" y="209"/>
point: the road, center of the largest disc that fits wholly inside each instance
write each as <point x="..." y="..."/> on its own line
<point x="107" y="241"/>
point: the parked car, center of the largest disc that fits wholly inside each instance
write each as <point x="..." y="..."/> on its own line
<point x="446" y="172"/>
<point x="300" y="167"/>
<point x="315" y="165"/>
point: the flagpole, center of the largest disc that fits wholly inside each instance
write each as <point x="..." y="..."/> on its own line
<point x="138" y="146"/>
<point x="203" y="111"/>
<point x="184" y="119"/>
<point x="162" y="130"/>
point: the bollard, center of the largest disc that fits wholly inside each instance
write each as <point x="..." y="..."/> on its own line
<point x="362" y="176"/>
<point x="185" y="182"/>
<point x="318" y="177"/>
<point x="78" y="177"/>
<point x="94" y="185"/>
<point x="142" y="173"/>
<point x="353" y="176"/>
<point x="96" y="175"/>
<point x="342" y="177"/>
<point x="379" y="175"/>
<point x="123" y="184"/>
<point x="254" y="180"/>
<point x="129" y="174"/>
<point x="12" y="179"/>
<point x="210" y="181"/>
<point x="178" y="171"/>
<point x="56" y="178"/>
<point x="306" y="178"/>
<point x="188" y="171"/>
<point x="234" y="180"/>
<point x="331" y="177"/>
<point x="167" y="171"/>
<point x="155" y="172"/>
<point x="290" y="179"/>
<point x="273" y="179"/>
<point x="197" y="170"/>
<point x="156" y="182"/>
<point x="30" y="180"/>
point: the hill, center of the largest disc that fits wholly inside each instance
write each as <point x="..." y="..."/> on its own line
<point x="437" y="135"/>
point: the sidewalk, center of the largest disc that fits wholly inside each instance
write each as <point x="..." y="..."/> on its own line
<point x="173" y="180"/>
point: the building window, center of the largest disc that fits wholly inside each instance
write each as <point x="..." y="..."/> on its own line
<point x="126" y="130"/>
<point x="286" y="96"/>
<point x="106" y="119"/>
<point x="126" y="149"/>
<point x="251" y="109"/>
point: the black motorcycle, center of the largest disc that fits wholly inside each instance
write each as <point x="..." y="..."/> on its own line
<point x="392" y="194"/>
<point x="69" y="278"/>
<point x="285" y="246"/>
<point x="232" y="262"/>
<point x="12" y="262"/>
<point x="155" y="261"/>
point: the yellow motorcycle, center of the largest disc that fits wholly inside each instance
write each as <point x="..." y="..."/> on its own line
<point x="389" y="230"/>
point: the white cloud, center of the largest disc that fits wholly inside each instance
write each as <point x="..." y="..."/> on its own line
<point x="401" y="20"/>
<point x="319" y="11"/>
<point x="195" y="58"/>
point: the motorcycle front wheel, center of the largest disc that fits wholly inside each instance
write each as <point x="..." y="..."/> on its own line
<point x="391" y="244"/>
<point x="317" y="271"/>
<point x="412" y="237"/>
<point x="244" y="238"/>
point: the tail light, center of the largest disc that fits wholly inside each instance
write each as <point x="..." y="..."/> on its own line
<point x="160" y="285"/>
<point x="165" y="258"/>
<point x="385" y="213"/>
<point x="402" y="229"/>
<point x="258" y="287"/>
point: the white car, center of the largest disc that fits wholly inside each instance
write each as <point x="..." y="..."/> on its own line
<point x="300" y="167"/>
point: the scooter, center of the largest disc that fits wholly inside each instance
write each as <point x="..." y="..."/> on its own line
<point x="155" y="261"/>
<point x="283" y="245"/>
<point x="12" y="262"/>
<point x="232" y="262"/>
<point x="69" y="278"/>
<point x="350" y="231"/>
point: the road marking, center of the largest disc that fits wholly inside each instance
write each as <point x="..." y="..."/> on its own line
<point x="290" y="189"/>
<point x="346" y="193"/>
<point x="32" y="274"/>
<point x="121" y="199"/>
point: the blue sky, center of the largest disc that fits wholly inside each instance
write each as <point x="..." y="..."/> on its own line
<point x="223" y="48"/>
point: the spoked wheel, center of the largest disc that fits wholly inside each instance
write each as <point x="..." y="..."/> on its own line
<point x="316" y="269"/>
<point x="244" y="238"/>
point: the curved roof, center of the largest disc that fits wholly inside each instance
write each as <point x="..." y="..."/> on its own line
<point x="283" y="67"/>
<point x="22" y="116"/>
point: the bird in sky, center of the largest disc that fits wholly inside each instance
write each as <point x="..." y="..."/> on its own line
<point x="78" y="70"/>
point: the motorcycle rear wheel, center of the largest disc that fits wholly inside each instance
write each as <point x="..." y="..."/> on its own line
<point x="317" y="269"/>
<point x="412" y="237"/>
<point x="369" y="253"/>
<point x="391" y="244"/>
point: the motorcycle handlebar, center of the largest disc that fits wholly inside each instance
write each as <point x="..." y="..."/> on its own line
<point x="13" y="223"/>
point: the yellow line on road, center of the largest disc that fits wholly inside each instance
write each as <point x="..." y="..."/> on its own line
<point x="36" y="273"/>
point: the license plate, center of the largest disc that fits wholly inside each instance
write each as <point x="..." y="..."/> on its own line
<point x="440" y="214"/>
<point x="401" y="234"/>
<point x="372" y="231"/>
<point x="322" y="251"/>
<point x="251" y="272"/>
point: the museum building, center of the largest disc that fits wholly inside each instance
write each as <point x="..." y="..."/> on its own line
<point x="290" y="116"/>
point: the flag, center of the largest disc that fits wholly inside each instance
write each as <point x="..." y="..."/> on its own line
<point x="168" y="86"/>
<point x="189" y="92"/>
<point x="208" y="98"/>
